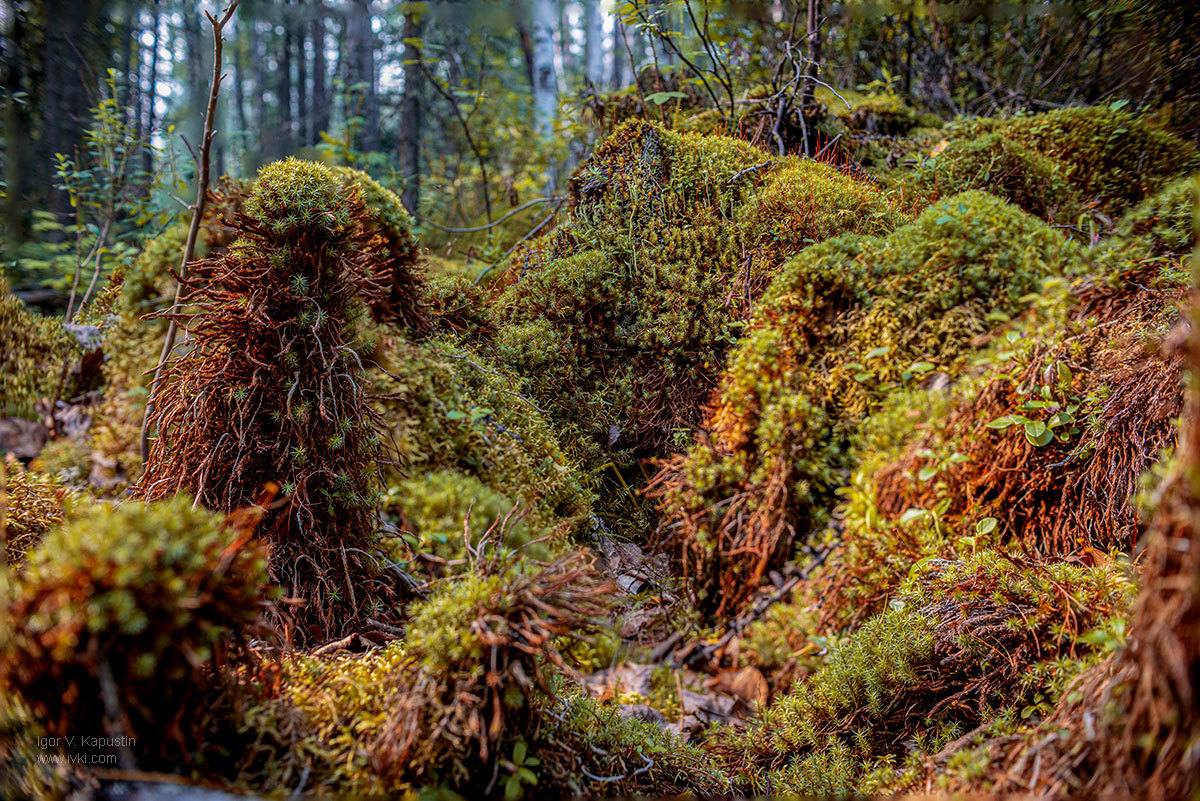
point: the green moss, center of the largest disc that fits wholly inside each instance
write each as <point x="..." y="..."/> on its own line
<point x="464" y="432"/>
<point x="1112" y="156"/>
<point x="292" y="196"/>
<point x="35" y="354"/>
<point x="1162" y="223"/>
<point x="155" y="594"/>
<point x="384" y="210"/>
<point x="1006" y="168"/>
<point x="842" y="325"/>
<point x="621" y="320"/>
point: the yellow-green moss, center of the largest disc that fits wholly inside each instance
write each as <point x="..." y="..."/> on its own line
<point x="36" y="353"/>
<point x="843" y="324"/>
<point x="621" y="320"/>
<point x="1110" y="155"/>
<point x="1004" y="167"/>
<point x="1163" y="222"/>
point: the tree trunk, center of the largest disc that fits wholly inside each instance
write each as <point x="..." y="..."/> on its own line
<point x="286" y="115"/>
<point x="545" y="96"/>
<point x="360" y="67"/>
<point x="304" y="126"/>
<point x="594" y="43"/>
<point x="65" y="98"/>
<point x="414" y="83"/>
<point x="813" y="56"/>
<point x="320" y="95"/>
<point x="152" y="93"/>
<point x="197" y="94"/>
<point x="239" y="101"/>
<point x="618" y="55"/>
<point x="16" y="129"/>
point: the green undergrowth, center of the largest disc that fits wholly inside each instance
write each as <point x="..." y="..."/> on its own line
<point x="1108" y="155"/>
<point x="36" y="354"/>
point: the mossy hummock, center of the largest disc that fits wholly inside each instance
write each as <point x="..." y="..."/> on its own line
<point x="842" y="325"/>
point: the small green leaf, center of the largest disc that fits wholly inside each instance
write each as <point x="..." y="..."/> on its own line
<point x="986" y="526"/>
<point x="877" y="352"/>
<point x="927" y="472"/>
<point x="913" y="514"/>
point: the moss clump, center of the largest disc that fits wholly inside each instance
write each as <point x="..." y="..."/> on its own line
<point x="33" y="505"/>
<point x="842" y="325"/>
<point x="462" y="429"/>
<point x="139" y="604"/>
<point x="271" y="394"/>
<point x="442" y="509"/>
<point x="1003" y="167"/>
<point x="966" y="641"/>
<point x="1162" y="223"/>
<point x="1112" y="156"/>
<point x="387" y="239"/>
<point x="621" y="319"/>
<point x="35" y="356"/>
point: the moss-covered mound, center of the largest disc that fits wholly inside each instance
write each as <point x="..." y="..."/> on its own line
<point x="36" y="354"/>
<point x="467" y="440"/>
<point x="842" y="325"/>
<point x="1110" y="156"/>
<point x="1162" y="223"/>
<point x="1005" y="168"/>
<point x="128" y="614"/>
<point x="621" y="319"/>
<point x="985" y="639"/>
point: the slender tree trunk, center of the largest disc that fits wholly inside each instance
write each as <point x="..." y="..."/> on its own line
<point x="152" y="92"/>
<point x="16" y="129"/>
<point x="320" y="94"/>
<point x="197" y="95"/>
<point x="813" y="56"/>
<point x="361" y="45"/>
<point x="65" y="99"/>
<point x="545" y="96"/>
<point x="414" y="84"/>
<point x="618" y="55"/>
<point x="304" y="127"/>
<point x="287" y="132"/>
<point x="594" y="43"/>
<point x="239" y="101"/>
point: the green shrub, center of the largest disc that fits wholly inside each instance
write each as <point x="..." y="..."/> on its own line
<point x="144" y="604"/>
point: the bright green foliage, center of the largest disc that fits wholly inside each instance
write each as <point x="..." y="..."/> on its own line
<point x="621" y="319"/>
<point x="157" y="594"/>
<point x="1003" y="167"/>
<point x="1109" y="155"/>
<point x="1162" y="223"/>
<point x="881" y="113"/>
<point x="463" y="435"/>
<point x="35" y="354"/>
<point x="843" y="324"/>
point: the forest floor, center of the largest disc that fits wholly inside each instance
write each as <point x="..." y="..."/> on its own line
<point x="867" y="474"/>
